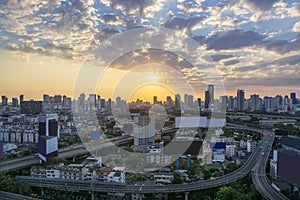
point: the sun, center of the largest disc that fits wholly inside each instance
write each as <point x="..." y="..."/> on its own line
<point x="152" y="78"/>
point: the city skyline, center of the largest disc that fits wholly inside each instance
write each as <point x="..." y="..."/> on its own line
<point x="151" y="98"/>
<point x="247" y="44"/>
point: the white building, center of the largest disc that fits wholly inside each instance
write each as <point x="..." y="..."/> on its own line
<point x="230" y="150"/>
<point x="52" y="173"/>
<point x="251" y="146"/>
<point x="117" y="175"/>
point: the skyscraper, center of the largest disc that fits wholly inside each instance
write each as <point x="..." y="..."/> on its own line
<point x="4" y="101"/>
<point x="211" y="95"/>
<point x="230" y="103"/>
<point x="294" y="98"/>
<point x="240" y="100"/>
<point x="21" y="97"/>
<point x="177" y="101"/>
<point x="255" y="102"/>
<point x="15" y="102"/>
<point x="155" y="100"/>
<point x="207" y="99"/>
<point x="224" y="103"/>
<point x="48" y="125"/>
<point x="169" y="101"/>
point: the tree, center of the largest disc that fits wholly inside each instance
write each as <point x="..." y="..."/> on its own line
<point x="23" y="188"/>
<point x="177" y="179"/>
<point x="229" y="193"/>
<point x="6" y="183"/>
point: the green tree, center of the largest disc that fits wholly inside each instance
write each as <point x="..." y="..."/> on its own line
<point x="23" y="188"/>
<point x="229" y="193"/>
<point x="7" y="184"/>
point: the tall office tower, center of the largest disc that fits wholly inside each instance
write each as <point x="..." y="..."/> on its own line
<point x="211" y="91"/>
<point x="31" y="107"/>
<point x="21" y="97"/>
<point x="267" y="103"/>
<point x="4" y="101"/>
<point x="230" y="103"/>
<point x="207" y="99"/>
<point x="155" y="100"/>
<point x="169" y="101"/>
<point x="15" y="102"/>
<point x="199" y="102"/>
<point x="294" y="98"/>
<point x="276" y="102"/>
<point x="143" y="130"/>
<point x="67" y="102"/>
<point x="109" y="105"/>
<point x="177" y="101"/>
<point x="102" y="103"/>
<point x="46" y="99"/>
<point x="57" y="99"/>
<point x="92" y="101"/>
<point x="240" y="100"/>
<point x="186" y="100"/>
<point x="255" y="102"/>
<point x="81" y="100"/>
<point x="48" y="125"/>
<point x="98" y="101"/>
<point x="190" y="101"/>
<point x="224" y="103"/>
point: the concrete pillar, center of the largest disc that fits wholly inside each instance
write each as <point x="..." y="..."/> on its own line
<point x="177" y="164"/>
<point x="92" y="195"/>
<point x="186" y="196"/>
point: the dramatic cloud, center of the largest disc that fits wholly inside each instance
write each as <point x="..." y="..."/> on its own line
<point x="243" y="39"/>
<point x="233" y="39"/>
<point x="262" y="5"/>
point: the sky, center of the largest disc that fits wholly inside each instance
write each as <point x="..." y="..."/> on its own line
<point x="140" y="48"/>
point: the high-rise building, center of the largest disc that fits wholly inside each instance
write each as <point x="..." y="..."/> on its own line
<point x="267" y="103"/>
<point x="47" y="147"/>
<point x="199" y="102"/>
<point x="230" y="103"/>
<point x="207" y="99"/>
<point x="81" y="100"/>
<point x="211" y="91"/>
<point x="31" y="107"/>
<point x="177" y="101"/>
<point x="240" y="100"/>
<point x="92" y="101"/>
<point x="155" y="100"/>
<point x="186" y="99"/>
<point x="190" y="101"/>
<point x="15" y="102"/>
<point x="21" y="97"/>
<point x="48" y="125"/>
<point x="224" y="103"/>
<point x="294" y="98"/>
<point x="169" y="101"/>
<point x="255" y="102"/>
<point x="4" y="100"/>
<point x="143" y="130"/>
<point x="109" y="105"/>
<point x="57" y="99"/>
<point x="46" y="99"/>
<point x="67" y="102"/>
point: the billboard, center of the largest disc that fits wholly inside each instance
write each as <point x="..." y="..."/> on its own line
<point x="288" y="166"/>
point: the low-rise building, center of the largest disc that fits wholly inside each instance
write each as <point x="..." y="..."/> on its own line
<point x="251" y="146"/>
<point x="230" y="150"/>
